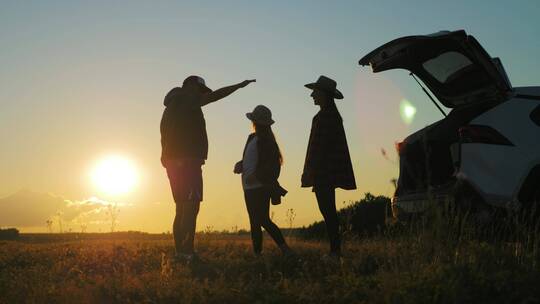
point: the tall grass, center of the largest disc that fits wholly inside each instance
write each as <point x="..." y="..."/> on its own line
<point x="445" y="232"/>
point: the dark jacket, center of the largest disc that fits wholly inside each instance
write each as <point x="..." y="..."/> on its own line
<point x="328" y="163"/>
<point x="268" y="169"/>
<point x="183" y="128"/>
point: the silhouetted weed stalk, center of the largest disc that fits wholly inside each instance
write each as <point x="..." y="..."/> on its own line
<point x="113" y="211"/>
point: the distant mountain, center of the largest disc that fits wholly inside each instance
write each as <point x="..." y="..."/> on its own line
<point x="28" y="208"/>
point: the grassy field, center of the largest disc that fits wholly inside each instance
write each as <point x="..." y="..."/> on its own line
<point x="404" y="267"/>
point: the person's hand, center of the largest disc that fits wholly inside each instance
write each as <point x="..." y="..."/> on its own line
<point x="238" y="167"/>
<point x="246" y="82"/>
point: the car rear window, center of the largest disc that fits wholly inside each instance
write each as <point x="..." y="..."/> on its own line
<point x="446" y="65"/>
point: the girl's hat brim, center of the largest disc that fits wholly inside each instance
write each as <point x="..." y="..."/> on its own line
<point x="251" y="117"/>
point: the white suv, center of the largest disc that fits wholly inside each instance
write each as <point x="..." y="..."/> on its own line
<point x="486" y="152"/>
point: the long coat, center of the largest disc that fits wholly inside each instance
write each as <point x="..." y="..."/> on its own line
<point x="328" y="163"/>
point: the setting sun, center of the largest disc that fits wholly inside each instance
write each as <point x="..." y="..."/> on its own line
<point x="114" y="175"/>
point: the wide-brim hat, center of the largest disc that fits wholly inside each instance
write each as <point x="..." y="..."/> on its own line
<point x="327" y="85"/>
<point x="261" y="115"/>
<point x="199" y="81"/>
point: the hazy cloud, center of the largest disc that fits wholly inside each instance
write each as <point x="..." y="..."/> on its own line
<point x="31" y="209"/>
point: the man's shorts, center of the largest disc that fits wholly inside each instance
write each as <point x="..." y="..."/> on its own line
<point x="186" y="181"/>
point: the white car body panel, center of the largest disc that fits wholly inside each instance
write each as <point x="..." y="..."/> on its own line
<point x="498" y="171"/>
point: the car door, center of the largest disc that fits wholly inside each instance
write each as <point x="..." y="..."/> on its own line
<point x="453" y="65"/>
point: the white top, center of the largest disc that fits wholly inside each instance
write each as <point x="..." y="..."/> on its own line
<point x="249" y="166"/>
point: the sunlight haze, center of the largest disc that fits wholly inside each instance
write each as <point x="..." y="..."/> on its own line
<point x="82" y="81"/>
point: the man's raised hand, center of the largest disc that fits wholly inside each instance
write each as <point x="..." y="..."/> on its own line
<point x="246" y="82"/>
<point x="223" y="92"/>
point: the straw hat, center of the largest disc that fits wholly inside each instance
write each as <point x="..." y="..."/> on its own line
<point x="261" y="115"/>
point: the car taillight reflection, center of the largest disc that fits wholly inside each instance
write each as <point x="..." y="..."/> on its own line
<point x="482" y="134"/>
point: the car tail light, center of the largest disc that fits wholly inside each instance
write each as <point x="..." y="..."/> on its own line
<point x="482" y="134"/>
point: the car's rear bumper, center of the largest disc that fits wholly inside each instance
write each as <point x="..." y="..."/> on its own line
<point x="408" y="205"/>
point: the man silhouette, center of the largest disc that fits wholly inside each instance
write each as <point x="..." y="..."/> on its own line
<point x="328" y="163"/>
<point x="184" y="145"/>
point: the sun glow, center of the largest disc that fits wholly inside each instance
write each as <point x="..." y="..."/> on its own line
<point x="114" y="175"/>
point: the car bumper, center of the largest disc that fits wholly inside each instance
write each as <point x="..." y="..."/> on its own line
<point x="410" y="205"/>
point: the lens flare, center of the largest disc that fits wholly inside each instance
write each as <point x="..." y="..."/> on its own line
<point x="407" y="111"/>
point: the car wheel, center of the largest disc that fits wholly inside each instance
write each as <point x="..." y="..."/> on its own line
<point x="532" y="206"/>
<point x="468" y="200"/>
<point x="529" y="195"/>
